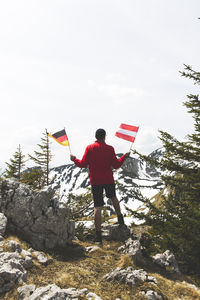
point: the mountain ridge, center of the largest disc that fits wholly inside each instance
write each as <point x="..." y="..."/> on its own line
<point x="133" y="177"/>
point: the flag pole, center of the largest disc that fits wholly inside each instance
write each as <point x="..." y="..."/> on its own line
<point x="131" y="146"/>
<point x="134" y="139"/>
<point x="70" y="152"/>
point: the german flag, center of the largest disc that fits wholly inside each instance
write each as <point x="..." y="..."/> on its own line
<point x="60" y="137"/>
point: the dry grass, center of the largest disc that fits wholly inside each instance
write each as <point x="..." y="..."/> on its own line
<point x="72" y="267"/>
<point x="125" y="262"/>
<point x="23" y="244"/>
<point x="86" y="271"/>
<point x="175" y="290"/>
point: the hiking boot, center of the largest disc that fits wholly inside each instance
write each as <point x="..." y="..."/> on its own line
<point x="120" y="219"/>
<point x="98" y="238"/>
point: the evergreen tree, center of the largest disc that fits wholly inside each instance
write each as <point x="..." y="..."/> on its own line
<point x="175" y="224"/>
<point x="16" y="165"/>
<point x="42" y="158"/>
<point x="0" y="176"/>
<point x="34" y="177"/>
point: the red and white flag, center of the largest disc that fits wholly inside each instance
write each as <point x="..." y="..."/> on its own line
<point x="127" y="132"/>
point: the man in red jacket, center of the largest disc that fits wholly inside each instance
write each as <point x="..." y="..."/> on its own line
<point x="101" y="158"/>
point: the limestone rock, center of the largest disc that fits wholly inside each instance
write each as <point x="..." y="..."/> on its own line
<point x="3" y="224"/>
<point x="91" y="249"/>
<point x="28" y="261"/>
<point x="25" y="291"/>
<point x="115" y="232"/>
<point x="129" y="276"/>
<point x="41" y="257"/>
<point x="167" y="259"/>
<point x="40" y="217"/>
<point x="133" y="248"/>
<point x="151" y="295"/>
<point x="92" y="296"/>
<point x="12" y="271"/>
<point x="53" y="292"/>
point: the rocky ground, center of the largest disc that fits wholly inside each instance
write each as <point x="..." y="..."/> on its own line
<point x="72" y="267"/>
<point x="117" y="270"/>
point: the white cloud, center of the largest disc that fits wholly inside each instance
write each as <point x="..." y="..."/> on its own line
<point x="89" y="64"/>
<point x="116" y="91"/>
<point x="147" y="140"/>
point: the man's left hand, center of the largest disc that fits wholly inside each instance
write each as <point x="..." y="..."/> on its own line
<point x="72" y="157"/>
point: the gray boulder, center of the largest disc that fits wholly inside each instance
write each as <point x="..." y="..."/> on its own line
<point x="167" y="259"/>
<point x="41" y="257"/>
<point x="93" y="296"/>
<point x="53" y="292"/>
<point x="12" y="271"/>
<point x="129" y="276"/>
<point x="133" y="248"/>
<point x="39" y="217"/>
<point x="151" y="295"/>
<point x="115" y="232"/>
<point x="13" y="246"/>
<point x="3" y="224"/>
<point x="91" y="249"/>
<point x="25" y="291"/>
<point x="28" y="261"/>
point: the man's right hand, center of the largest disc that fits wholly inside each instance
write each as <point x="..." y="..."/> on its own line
<point x="127" y="154"/>
<point x="72" y="157"/>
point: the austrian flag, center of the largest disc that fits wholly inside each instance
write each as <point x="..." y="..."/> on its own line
<point x="60" y="137"/>
<point x="127" y="132"/>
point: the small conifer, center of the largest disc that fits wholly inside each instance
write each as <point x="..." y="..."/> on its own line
<point x="16" y="165"/>
<point x="42" y="158"/>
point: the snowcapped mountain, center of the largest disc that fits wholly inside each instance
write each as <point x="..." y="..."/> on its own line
<point x="134" y="177"/>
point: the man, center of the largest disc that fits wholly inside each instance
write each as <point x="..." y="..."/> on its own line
<point x="101" y="158"/>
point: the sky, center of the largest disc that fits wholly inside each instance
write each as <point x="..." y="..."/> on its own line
<point x="89" y="64"/>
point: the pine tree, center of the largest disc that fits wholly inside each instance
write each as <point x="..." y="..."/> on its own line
<point x="34" y="177"/>
<point x="43" y="157"/>
<point x="16" y="165"/>
<point x="175" y="224"/>
<point x="0" y="176"/>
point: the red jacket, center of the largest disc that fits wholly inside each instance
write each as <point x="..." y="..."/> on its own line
<point x="100" y="158"/>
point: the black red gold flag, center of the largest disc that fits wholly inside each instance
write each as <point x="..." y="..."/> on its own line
<point x="60" y="137"/>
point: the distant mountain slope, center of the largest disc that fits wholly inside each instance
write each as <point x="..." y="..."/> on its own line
<point x="134" y="177"/>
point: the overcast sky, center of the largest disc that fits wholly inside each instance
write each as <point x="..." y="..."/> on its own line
<point x="85" y="64"/>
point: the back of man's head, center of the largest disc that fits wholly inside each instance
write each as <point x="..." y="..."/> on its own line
<point x="100" y="134"/>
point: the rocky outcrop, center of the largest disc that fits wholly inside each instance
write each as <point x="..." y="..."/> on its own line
<point x="115" y="232"/>
<point x="129" y="276"/>
<point x="15" y="263"/>
<point x="12" y="271"/>
<point x="3" y="224"/>
<point x="132" y="248"/>
<point x="167" y="260"/>
<point x="39" y="217"/>
<point x="53" y="292"/>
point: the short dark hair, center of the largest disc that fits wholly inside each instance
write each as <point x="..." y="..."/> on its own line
<point x="100" y="134"/>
